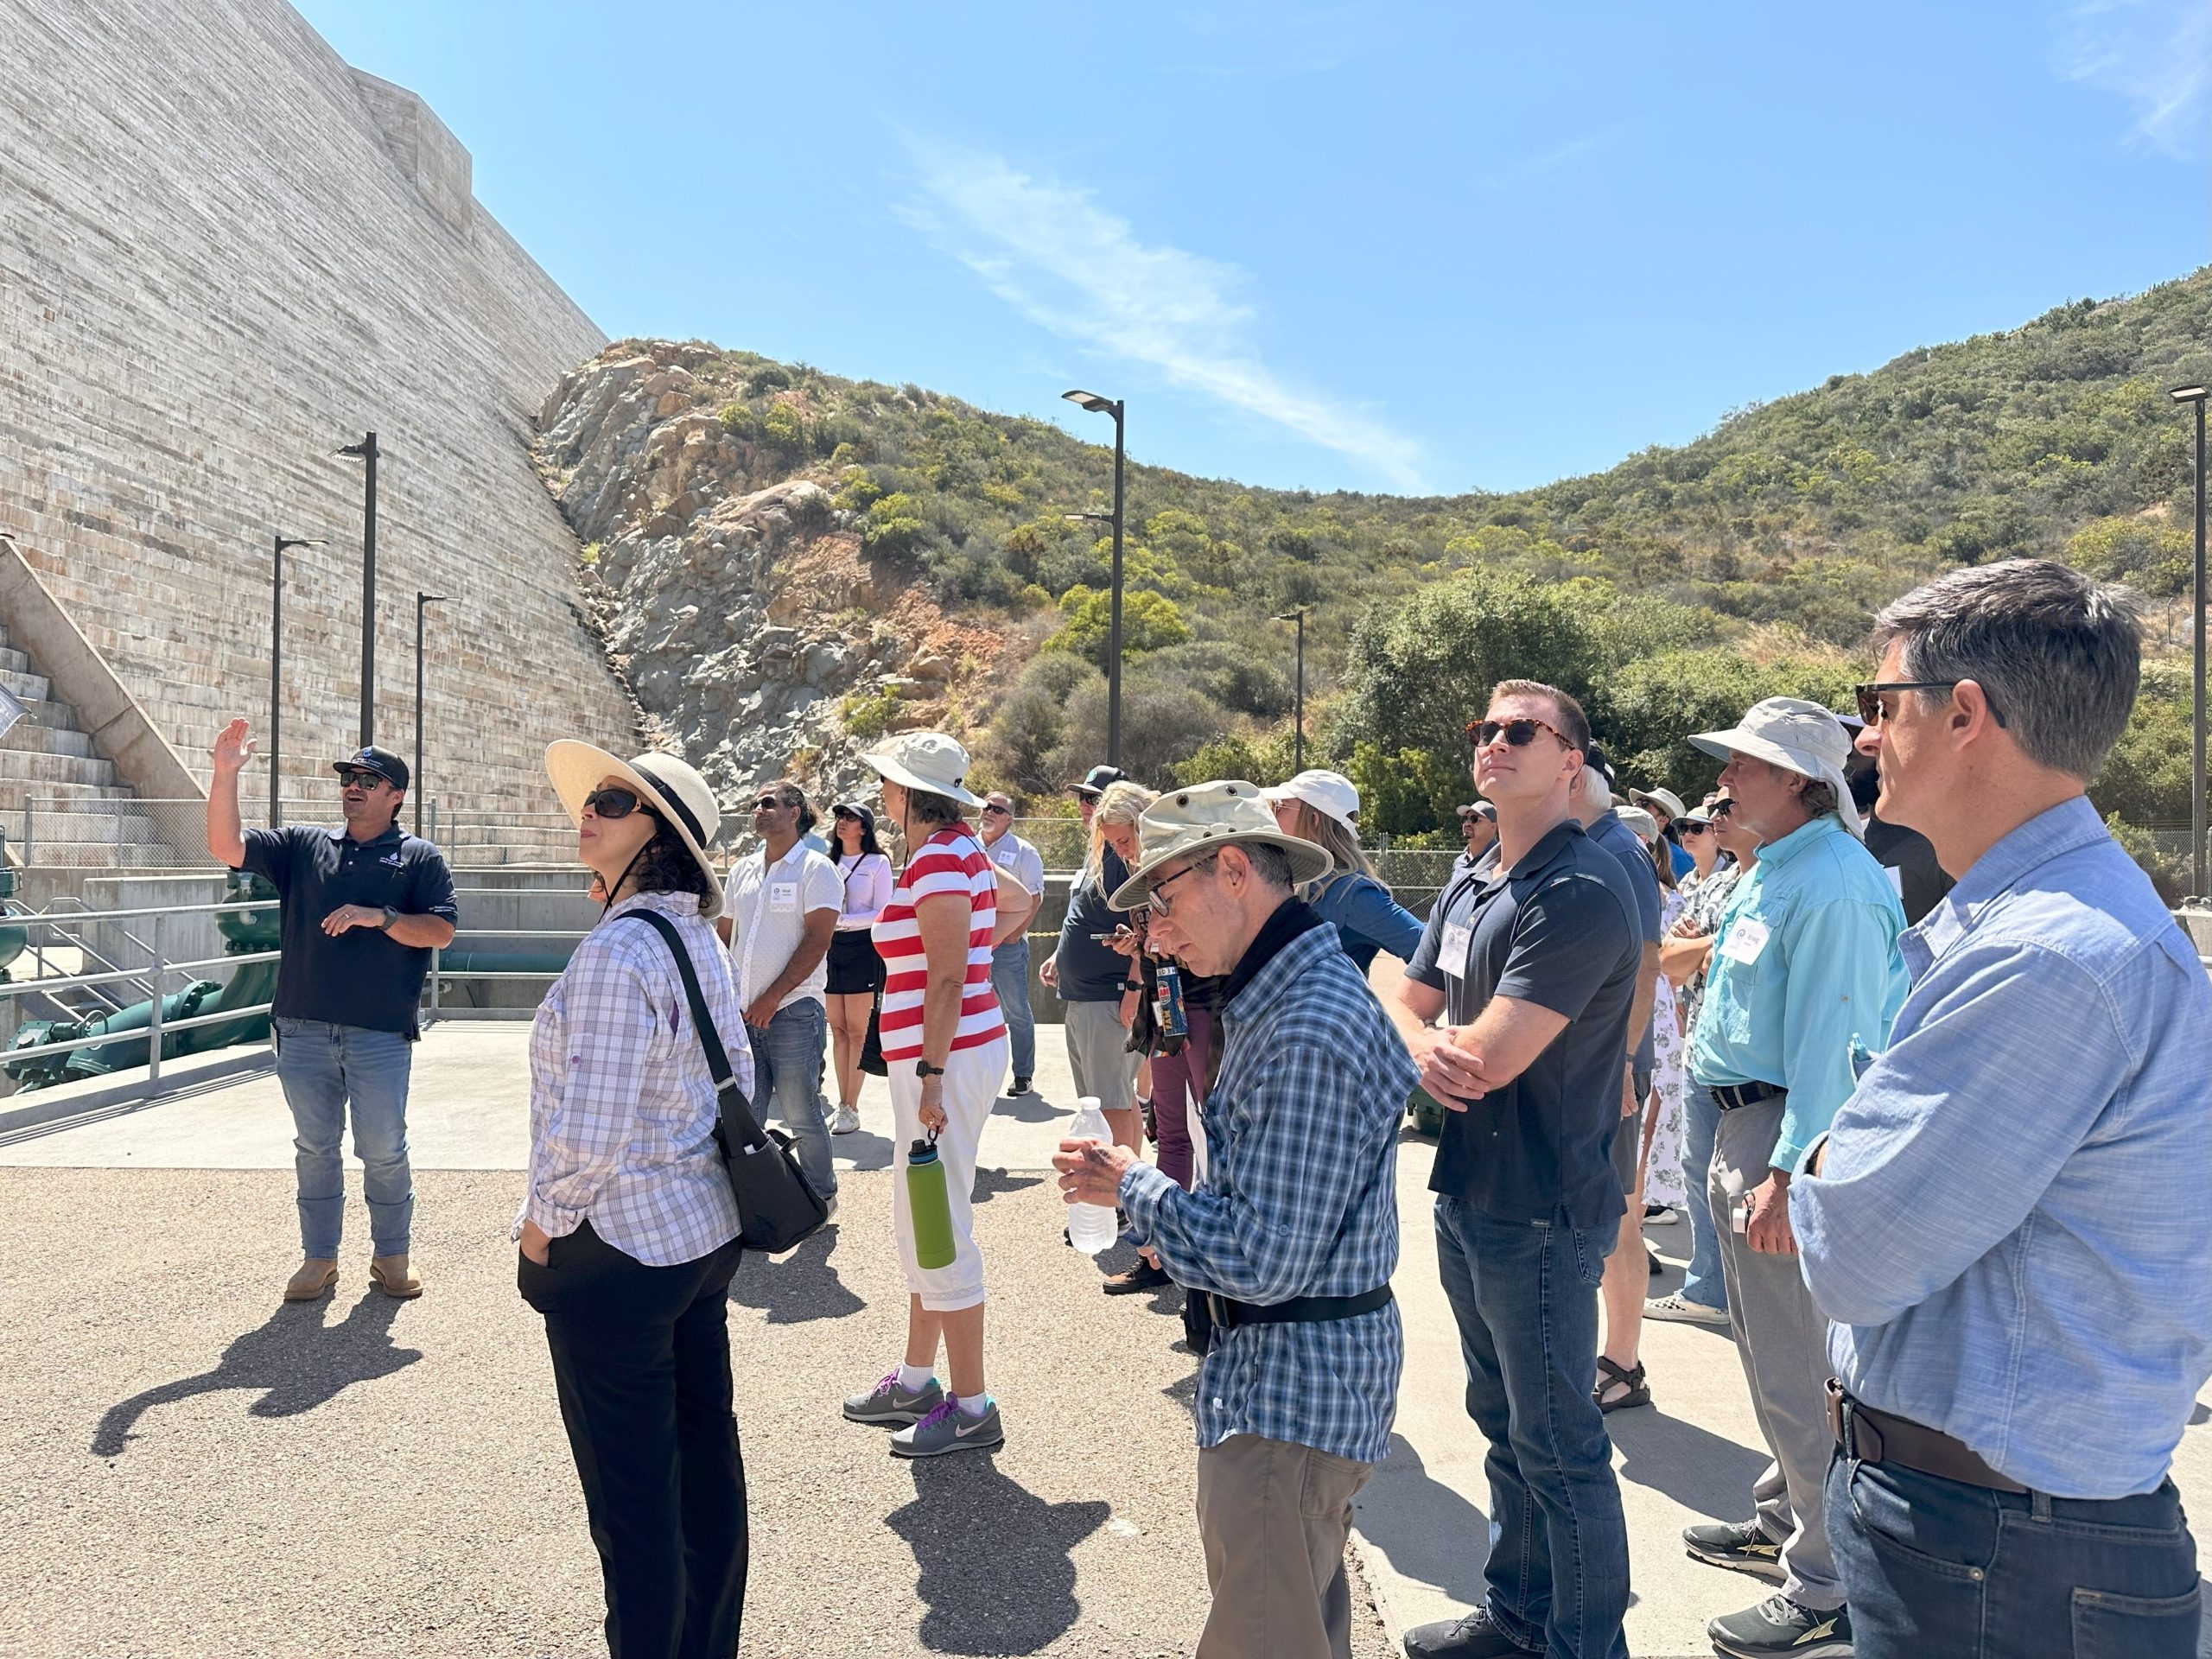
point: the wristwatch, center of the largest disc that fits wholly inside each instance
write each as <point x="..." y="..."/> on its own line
<point x="924" y="1069"/>
<point x="390" y="917"/>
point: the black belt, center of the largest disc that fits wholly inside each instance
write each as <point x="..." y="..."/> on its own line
<point x="1874" y="1436"/>
<point x="1229" y="1314"/>
<point x="1733" y="1095"/>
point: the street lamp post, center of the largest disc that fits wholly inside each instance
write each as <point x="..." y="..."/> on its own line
<point x="420" y="601"/>
<point x="277" y="670"/>
<point x="1298" y="729"/>
<point x="2196" y="395"/>
<point x="1098" y="405"/>
<point x="366" y="452"/>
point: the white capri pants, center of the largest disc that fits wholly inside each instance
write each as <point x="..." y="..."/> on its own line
<point x="971" y="1089"/>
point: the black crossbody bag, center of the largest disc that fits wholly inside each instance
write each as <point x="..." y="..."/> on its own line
<point x="776" y="1206"/>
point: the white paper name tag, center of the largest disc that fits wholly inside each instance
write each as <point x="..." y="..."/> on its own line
<point x="1746" y="937"/>
<point x="1452" y="950"/>
<point x="783" y="894"/>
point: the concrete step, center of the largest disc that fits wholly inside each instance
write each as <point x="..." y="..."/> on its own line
<point x="109" y="855"/>
<point x="27" y="686"/>
<point x="14" y="661"/>
<point x="110" y="827"/>
<point x="32" y="763"/>
<point x="32" y="736"/>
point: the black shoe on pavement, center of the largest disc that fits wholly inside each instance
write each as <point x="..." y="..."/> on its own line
<point x="1151" y="1124"/>
<point x="1143" y="1276"/>
<point x="1476" y="1636"/>
<point x="1020" y="1088"/>
<point x="1738" y="1544"/>
<point x="1779" y="1626"/>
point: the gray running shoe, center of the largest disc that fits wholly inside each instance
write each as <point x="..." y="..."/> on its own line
<point x="950" y="1429"/>
<point x="1779" y="1628"/>
<point x="887" y="1402"/>
<point x="1738" y="1544"/>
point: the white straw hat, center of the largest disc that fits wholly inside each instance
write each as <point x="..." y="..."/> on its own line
<point x="924" y="760"/>
<point x="1666" y="799"/>
<point x="1205" y="817"/>
<point x="1797" y="736"/>
<point x="667" y="783"/>
<point x="1330" y="793"/>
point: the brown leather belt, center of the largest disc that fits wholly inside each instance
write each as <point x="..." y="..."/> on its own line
<point x="1874" y="1436"/>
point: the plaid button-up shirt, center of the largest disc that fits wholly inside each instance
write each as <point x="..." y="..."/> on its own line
<point x="1299" y="1199"/>
<point x="621" y="1107"/>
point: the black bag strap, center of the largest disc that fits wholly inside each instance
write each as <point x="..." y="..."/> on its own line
<point x="736" y="1109"/>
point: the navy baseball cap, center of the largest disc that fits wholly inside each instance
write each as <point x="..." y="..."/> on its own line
<point x="1095" y="781"/>
<point x="1594" y="756"/>
<point x="382" y="762"/>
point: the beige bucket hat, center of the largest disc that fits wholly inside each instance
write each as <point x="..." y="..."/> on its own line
<point x="668" y="782"/>
<point x="1665" y="800"/>
<point x="1796" y="735"/>
<point x="1198" y="820"/>
<point x="924" y="760"/>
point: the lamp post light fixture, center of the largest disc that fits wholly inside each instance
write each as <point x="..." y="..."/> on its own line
<point x="2196" y="395"/>
<point x="420" y="601"/>
<point x="1098" y="405"/>
<point x="366" y="452"/>
<point x="277" y="670"/>
<point x="1298" y="729"/>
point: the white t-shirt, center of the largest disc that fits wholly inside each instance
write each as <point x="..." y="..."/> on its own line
<point x="1019" y="860"/>
<point x="768" y="907"/>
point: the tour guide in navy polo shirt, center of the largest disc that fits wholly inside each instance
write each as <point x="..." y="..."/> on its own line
<point x="363" y="908"/>
<point x="1517" y="1006"/>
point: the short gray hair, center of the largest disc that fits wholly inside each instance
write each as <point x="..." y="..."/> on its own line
<point x="1270" y="864"/>
<point x="2059" y="654"/>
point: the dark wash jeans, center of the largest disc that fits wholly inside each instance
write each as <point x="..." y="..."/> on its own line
<point x="1525" y="1296"/>
<point x="1935" y="1567"/>
<point x="641" y="1360"/>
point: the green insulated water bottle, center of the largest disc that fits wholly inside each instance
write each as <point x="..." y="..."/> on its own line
<point x="931" y="1208"/>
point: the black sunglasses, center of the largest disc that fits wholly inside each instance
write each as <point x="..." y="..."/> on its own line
<point x="1519" y="734"/>
<point x="770" y="804"/>
<point x="1686" y="828"/>
<point x="1870" y="696"/>
<point x="361" y="775"/>
<point x="992" y="808"/>
<point x="613" y="803"/>
<point x="1720" y="810"/>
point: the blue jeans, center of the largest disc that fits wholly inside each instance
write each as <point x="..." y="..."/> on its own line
<point x="324" y="1069"/>
<point x="1936" y="1566"/>
<point x="1010" y="981"/>
<point x="1525" y="1296"/>
<point x="787" y="1083"/>
<point x="1701" y="1280"/>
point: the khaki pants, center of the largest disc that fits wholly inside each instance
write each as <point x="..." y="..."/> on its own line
<point x="1274" y="1518"/>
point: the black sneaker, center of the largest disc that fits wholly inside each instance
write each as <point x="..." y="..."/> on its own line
<point x="1143" y="1276"/>
<point x="1476" y="1636"/>
<point x="1738" y="1544"/>
<point x="1020" y="1088"/>
<point x="1779" y="1626"/>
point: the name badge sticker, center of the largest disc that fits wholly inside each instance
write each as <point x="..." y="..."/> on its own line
<point x="1453" y="949"/>
<point x="1746" y="939"/>
<point x="783" y="895"/>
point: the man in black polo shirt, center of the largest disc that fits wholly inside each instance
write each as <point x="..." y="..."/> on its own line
<point x="363" y="908"/>
<point x="1516" y="1007"/>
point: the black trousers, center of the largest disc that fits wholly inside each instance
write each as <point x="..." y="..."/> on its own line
<point x="641" y="1359"/>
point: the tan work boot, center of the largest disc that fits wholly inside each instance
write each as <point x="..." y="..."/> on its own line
<point x="392" y="1275"/>
<point x="317" y="1274"/>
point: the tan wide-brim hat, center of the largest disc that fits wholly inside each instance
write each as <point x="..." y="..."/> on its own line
<point x="1796" y="735"/>
<point x="1192" y="822"/>
<point x="668" y="782"/>
<point x="924" y="760"/>
<point x="1665" y="800"/>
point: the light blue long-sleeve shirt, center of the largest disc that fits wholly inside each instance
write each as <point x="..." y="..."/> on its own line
<point x="2012" y="1226"/>
<point x="1804" y="964"/>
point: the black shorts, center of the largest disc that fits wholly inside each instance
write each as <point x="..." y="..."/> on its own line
<point x="855" y="968"/>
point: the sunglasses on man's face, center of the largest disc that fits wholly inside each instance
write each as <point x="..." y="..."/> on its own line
<point x="1518" y="733"/>
<point x="613" y="803"/>
<point x="770" y="804"/>
<point x="1720" y="810"/>
<point x="356" y="776"/>
<point x="992" y="809"/>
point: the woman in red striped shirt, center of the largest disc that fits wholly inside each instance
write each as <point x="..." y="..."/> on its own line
<point x="944" y="1042"/>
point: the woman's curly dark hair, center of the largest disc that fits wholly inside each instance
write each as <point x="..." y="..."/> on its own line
<point x="665" y="865"/>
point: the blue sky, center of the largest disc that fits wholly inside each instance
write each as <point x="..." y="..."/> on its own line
<point x="1381" y="247"/>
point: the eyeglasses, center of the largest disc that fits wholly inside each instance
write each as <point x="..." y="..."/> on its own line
<point x="992" y="809"/>
<point x="1688" y="829"/>
<point x="1518" y="733"/>
<point x="771" y="804"/>
<point x="613" y="803"/>
<point x="1160" y="905"/>
<point x="1870" y="694"/>
<point x="1720" y="810"/>
<point x="361" y="776"/>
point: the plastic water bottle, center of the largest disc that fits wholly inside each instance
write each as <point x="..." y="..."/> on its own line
<point x="1091" y="1227"/>
<point x="929" y="1204"/>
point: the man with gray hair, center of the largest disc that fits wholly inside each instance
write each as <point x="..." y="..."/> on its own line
<point x="2009" y="1220"/>
<point x="1805" y="977"/>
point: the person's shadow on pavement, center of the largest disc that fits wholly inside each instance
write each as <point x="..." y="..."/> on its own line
<point x="996" y="1572"/>
<point x="794" y="1289"/>
<point x="293" y="1357"/>
<point x="1426" y="1531"/>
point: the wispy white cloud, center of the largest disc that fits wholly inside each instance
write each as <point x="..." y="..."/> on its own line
<point x="2155" y="54"/>
<point x="1055" y="254"/>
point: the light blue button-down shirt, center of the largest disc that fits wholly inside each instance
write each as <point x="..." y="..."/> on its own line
<point x="2012" y="1226"/>
<point x="1804" y="965"/>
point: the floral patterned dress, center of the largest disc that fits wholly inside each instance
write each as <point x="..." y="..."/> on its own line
<point x="1663" y="1181"/>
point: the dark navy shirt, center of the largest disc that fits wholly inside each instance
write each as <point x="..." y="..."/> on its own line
<point x="1089" y="972"/>
<point x="364" y="976"/>
<point x="1560" y="930"/>
<point x="1621" y="841"/>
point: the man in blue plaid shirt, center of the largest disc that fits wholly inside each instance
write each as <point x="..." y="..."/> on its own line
<point x="1291" y="1233"/>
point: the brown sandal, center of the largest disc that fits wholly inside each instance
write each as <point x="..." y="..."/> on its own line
<point x="1637" y="1391"/>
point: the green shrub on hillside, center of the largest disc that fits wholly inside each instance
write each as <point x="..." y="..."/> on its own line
<point x="1149" y="621"/>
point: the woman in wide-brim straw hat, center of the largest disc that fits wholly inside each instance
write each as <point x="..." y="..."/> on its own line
<point x="628" y="1234"/>
<point x="944" y="1044"/>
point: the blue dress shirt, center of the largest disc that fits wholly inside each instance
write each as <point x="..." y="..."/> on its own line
<point x="2012" y="1226"/>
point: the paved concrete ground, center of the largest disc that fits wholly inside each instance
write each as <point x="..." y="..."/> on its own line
<point x="187" y="1467"/>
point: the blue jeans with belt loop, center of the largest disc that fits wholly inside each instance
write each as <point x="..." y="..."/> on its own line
<point x="325" y="1070"/>
<point x="787" y="1080"/>
<point x="1010" y="980"/>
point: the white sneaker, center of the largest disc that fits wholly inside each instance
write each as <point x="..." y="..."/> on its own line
<point x="844" y="1120"/>
<point x="1675" y="1308"/>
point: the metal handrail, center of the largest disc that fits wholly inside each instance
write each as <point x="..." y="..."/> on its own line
<point x="71" y="981"/>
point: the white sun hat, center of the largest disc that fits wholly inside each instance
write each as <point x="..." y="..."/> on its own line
<point x="1796" y="735"/>
<point x="667" y="783"/>
<point x="1200" y="819"/>
<point x="1644" y="826"/>
<point x="1665" y="800"/>
<point x="1330" y="793"/>
<point x="924" y="760"/>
